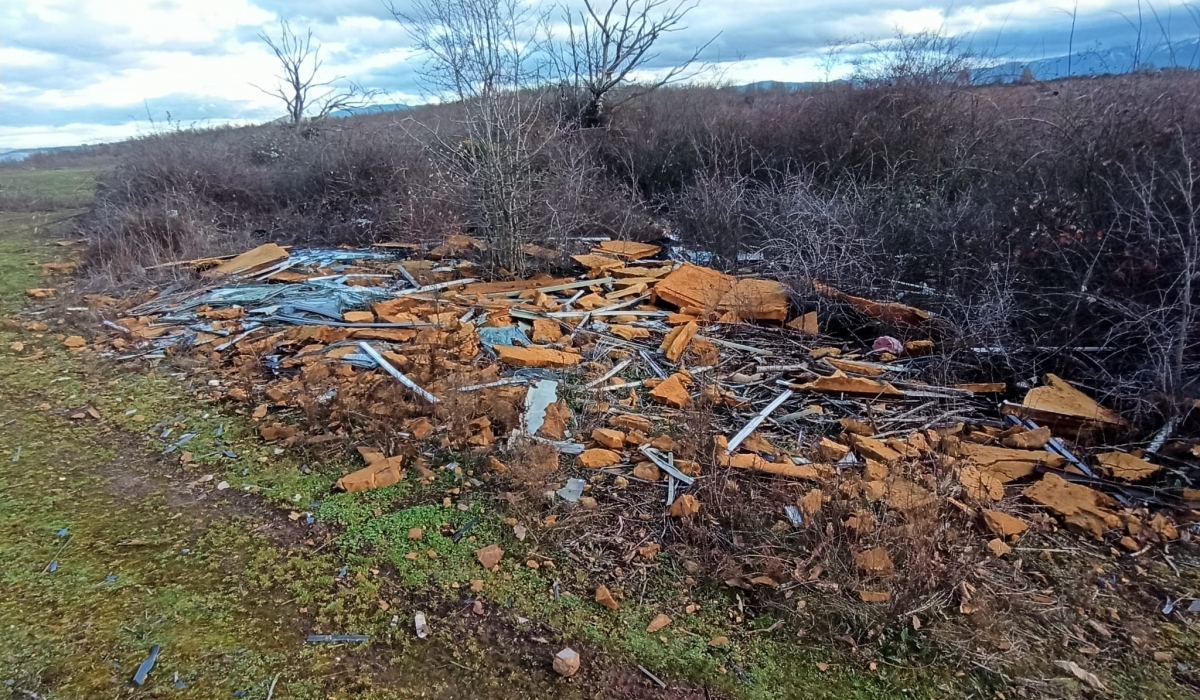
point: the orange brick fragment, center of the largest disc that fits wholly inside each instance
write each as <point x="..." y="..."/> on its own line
<point x="677" y="341"/>
<point x="671" y="392"/>
<point x="380" y="473"/>
<point x="614" y="439"/>
<point x="536" y="356"/>
<point x="597" y="457"/>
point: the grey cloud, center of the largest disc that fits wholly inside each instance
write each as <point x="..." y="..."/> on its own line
<point x="1036" y="40"/>
<point x="181" y="108"/>
<point x="401" y="78"/>
<point x="791" y="33"/>
<point x="57" y="73"/>
<point x="114" y="47"/>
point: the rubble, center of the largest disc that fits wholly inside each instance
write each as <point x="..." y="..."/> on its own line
<point x="1003" y="524"/>
<point x="1065" y="409"/>
<point x="566" y="663"/>
<point x="250" y="260"/>
<point x="377" y="474"/>
<point x="489" y="557"/>
<point x="889" y="312"/>
<point x="659" y="378"/>
<point x="659" y="622"/>
<point x="1079" y="505"/>
<point x="1122" y="465"/>
<point x="536" y="356"/>
<point x="605" y="598"/>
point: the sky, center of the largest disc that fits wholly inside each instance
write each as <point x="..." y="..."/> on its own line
<point x="90" y="71"/>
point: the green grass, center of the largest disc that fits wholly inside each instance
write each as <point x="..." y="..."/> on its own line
<point x="29" y="189"/>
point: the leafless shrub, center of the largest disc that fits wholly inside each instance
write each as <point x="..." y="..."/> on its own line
<point x="491" y="56"/>
<point x="810" y="234"/>
<point x="125" y="241"/>
<point x="715" y="214"/>
<point x="1156" y="300"/>
<point x="922" y="59"/>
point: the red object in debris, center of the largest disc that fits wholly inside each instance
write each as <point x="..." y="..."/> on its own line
<point x="886" y="343"/>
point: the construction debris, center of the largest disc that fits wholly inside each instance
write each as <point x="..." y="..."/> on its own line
<point x="249" y="261"/>
<point x="1122" y="465"/>
<point x="605" y="598"/>
<point x="143" y="669"/>
<point x="566" y="662"/>
<point x="660" y="378"/>
<point x="1079" y="505"/>
<point x="659" y="622"/>
<point x="1065" y="409"/>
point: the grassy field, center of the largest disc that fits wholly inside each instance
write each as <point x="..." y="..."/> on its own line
<point x="27" y="189"/>
<point x="112" y="544"/>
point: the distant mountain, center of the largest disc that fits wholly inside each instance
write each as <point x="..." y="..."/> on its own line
<point x="368" y="109"/>
<point x="1180" y="55"/>
<point x="1121" y="59"/>
<point x="777" y="85"/>
<point x="16" y="155"/>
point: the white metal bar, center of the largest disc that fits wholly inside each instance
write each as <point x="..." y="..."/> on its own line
<point x="400" y="376"/>
<point x="757" y="420"/>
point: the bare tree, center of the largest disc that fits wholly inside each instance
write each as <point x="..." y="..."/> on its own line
<point x="305" y="96"/>
<point x="491" y="56"/>
<point x="609" y="41"/>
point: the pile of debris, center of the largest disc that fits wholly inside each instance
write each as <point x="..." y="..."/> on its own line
<point x="397" y="353"/>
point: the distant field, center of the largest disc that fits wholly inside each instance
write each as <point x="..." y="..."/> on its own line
<point x="28" y="189"/>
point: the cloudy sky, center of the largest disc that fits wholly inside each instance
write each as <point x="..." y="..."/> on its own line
<point x="86" y="71"/>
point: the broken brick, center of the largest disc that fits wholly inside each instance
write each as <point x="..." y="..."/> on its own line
<point x="596" y="458"/>
<point x="536" y="356"/>
<point x="671" y="392"/>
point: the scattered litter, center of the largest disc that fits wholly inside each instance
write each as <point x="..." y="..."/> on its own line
<point x="183" y="440"/>
<point x="657" y="681"/>
<point x="540" y="396"/>
<point x="462" y="531"/>
<point x="420" y="625"/>
<point x="573" y="490"/>
<point x="335" y="638"/>
<point x="756" y="421"/>
<point x="52" y="566"/>
<point x="143" y="670"/>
